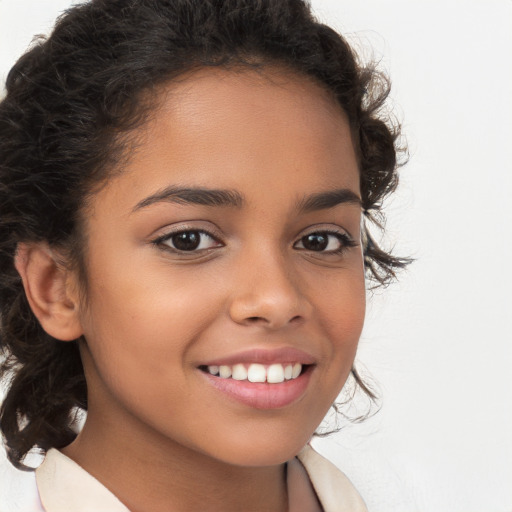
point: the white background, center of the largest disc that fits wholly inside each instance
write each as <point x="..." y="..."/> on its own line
<point x="438" y="343"/>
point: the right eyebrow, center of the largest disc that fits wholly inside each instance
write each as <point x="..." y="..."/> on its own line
<point x="328" y="199"/>
<point x="194" y="195"/>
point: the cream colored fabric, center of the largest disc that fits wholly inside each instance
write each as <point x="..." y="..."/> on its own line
<point x="66" y="487"/>
<point x="333" y="488"/>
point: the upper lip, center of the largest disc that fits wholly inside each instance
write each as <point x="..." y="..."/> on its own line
<point x="264" y="356"/>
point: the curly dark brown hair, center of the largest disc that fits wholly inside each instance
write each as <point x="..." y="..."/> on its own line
<point x="69" y="101"/>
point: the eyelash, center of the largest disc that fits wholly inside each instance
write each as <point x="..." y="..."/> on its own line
<point x="162" y="241"/>
<point x="345" y="241"/>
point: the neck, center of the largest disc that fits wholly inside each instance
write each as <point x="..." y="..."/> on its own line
<point x="147" y="472"/>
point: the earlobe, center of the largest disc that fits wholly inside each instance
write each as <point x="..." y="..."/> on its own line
<point x="50" y="289"/>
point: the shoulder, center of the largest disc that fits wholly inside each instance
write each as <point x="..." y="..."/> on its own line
<point x="334" y="490"/>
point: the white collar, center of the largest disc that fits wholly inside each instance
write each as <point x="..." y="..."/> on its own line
<point x="333" y="488"/>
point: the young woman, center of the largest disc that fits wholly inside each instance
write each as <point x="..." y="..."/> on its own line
<point x="183" y="252"/>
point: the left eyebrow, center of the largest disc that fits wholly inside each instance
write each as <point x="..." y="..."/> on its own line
<point x="194" y="195"/>
<point x="328" y="199"/>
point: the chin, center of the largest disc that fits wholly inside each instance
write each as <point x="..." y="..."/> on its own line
<point x="261" y="450"/>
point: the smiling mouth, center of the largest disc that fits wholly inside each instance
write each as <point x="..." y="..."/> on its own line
<point x="272" y="374"/>
<point x="256" y="378"/>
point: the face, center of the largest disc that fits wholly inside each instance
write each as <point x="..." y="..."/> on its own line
<point x="225" y="273"/>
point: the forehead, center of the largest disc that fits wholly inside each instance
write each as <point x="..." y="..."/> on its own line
<point x="243" y="101"/>
<point x="242" y="88"/>
<point x="223" y="128"/>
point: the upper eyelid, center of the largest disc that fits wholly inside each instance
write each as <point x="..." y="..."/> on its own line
<point x="322" y="228"/>
<point x="172" y="233"/>
<point x="173" y="229"/>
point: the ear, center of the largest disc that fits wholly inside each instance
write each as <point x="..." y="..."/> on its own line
<point x="51" y="290"/>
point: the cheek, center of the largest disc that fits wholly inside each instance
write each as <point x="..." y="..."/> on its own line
<point x="341" y="304"/>
<point x="137" y="352"/>
<point x="341" y="311"/>
<point x="140" y="329"/>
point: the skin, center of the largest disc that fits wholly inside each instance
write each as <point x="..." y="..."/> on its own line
<point x="157" y="431"/>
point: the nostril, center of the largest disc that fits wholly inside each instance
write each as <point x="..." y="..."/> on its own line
<point x="258" y="319"/>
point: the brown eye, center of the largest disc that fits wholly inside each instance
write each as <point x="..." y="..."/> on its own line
<point x="315" y="241"/>
<point x="188" y="241"/>
<point x="324" y="241"/>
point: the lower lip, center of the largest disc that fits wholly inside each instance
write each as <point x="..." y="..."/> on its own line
<point x="262" y="395"/>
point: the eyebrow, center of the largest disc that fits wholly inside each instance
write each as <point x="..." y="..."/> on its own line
<point x="232" y="198"/>
<point x="193" y="195"/>
<point x="328" y="199"/>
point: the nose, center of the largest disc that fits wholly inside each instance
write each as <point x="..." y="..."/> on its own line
<point x="268" y="293"/>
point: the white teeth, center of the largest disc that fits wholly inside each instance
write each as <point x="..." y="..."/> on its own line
<point x="256" y="373"/>
<point x="214" y="370"/>
<point x="239" y="372"/>
<point x="297" y="368"/>
<point x="225" y="371"/>
<point x="273" y="374"/>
